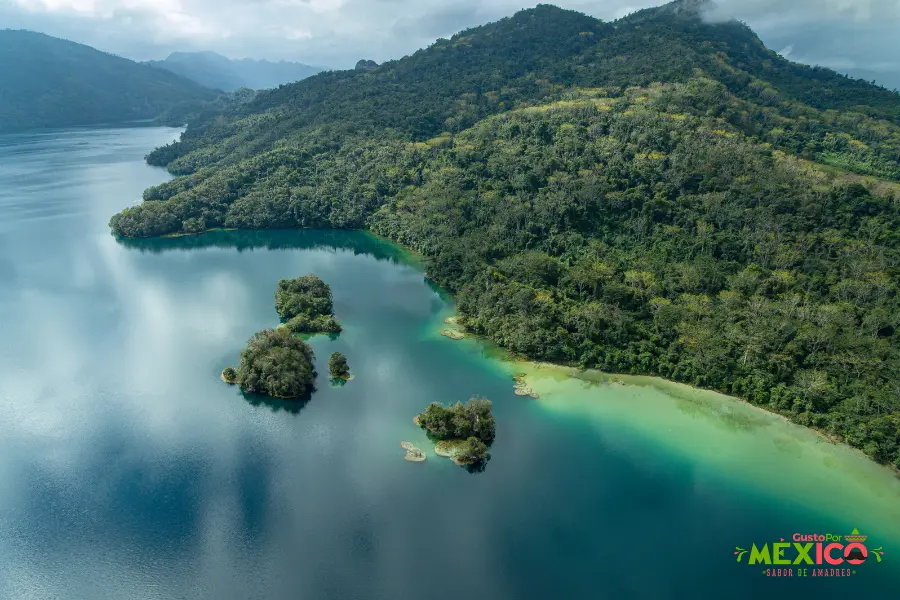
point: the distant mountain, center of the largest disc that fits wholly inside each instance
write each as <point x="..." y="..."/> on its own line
<point x="219" y="72"/>
<point x="49" y="82"/>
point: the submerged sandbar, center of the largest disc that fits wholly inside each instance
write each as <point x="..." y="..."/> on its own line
<point x="737" y="439"/>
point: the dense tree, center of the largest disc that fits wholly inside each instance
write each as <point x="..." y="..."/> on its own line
<point x="303" y="323"/>
<point x="278" y="364"/>
<point x="49" y="82"/>
<point x="306" y="306"/>
<point x="229" y="375"/>
<point x="472" y="452"/>
<point x="338" y="367"/>
<point x="733" y="223"/>
<point x="460" y="421"/>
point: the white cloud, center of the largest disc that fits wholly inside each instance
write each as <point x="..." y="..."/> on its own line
<point x="297" y="34"/>
<point x="336" y="33"/>
<point x="163" y="19"/>
<point x="860" y="11"/>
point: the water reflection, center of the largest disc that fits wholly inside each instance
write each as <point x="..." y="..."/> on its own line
<point x="286" y="239"/>
<point x="292" y="405"/>
<point x="478" y="467"/>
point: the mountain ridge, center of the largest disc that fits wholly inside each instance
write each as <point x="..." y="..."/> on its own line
<point x="219" y="72"/>
<point x="51" y="82"/>
<point x="599" y="55"/>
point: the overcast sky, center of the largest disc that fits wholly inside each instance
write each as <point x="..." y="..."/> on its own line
<point x="843" y="34"/>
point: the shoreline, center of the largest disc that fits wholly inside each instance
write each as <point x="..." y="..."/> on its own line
<point x="518" y="365"/>
<point x="512" y="358"/>
<point x="182" y="234"/>
<point x="407" y="250"/>
<point x="718" y="437"/>
<point x="657" y="382"/>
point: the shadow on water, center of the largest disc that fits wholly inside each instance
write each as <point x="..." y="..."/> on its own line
<point x="288" y="405"/>
<point x="473" y="468"/>
<point x="306" y="337"/>
<point x="358" y="242"/>
<point x="478" y="467"/>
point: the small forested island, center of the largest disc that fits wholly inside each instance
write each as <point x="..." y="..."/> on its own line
<point x="338" y="367"/>
<point x="463" y="431"/>
<point x="305" y="305"/>
<point x="274" y="363"/>
<point x="229" y="375"/>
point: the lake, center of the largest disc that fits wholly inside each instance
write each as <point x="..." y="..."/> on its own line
<point x="128" y="469"/>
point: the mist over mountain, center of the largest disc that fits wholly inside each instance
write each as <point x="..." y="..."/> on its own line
<point x="219" y="72"/>
<point x="50" y="82"/>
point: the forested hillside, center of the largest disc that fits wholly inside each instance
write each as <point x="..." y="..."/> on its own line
<point x="49" y="82"/>
<point x="219" y="72"/>
<point x="655" y="195"/>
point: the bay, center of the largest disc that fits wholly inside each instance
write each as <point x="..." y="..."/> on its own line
<point x="129" y="470"/>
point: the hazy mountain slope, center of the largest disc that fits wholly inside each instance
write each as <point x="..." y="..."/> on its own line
<point x="536" y="55"/>
<point x="480" y="72"/>
<point x="656" y="195"/>
<point x="734" y="54"/>
<point x="49" y="82"/>
<point x="216" y="71"/>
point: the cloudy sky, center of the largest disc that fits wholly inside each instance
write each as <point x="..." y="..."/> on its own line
<point x="849" y="35"/>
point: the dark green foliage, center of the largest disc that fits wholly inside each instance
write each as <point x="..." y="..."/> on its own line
<point x="229" y="375"/>
<point x="304" y="295"/>
<point x="532" y="57"/>
<point x="49" y="82"/>
<point x="305" y="303"/>
<point x="460" y="421"/>
<point x="365" y="64"/>
<point x="319" y="153"/>
<point x="303" y="323"/>
<point x="723" y="230"/>
<point x="474" y="451"/>
<point x="667" y="43"/>
<point x="278" y="364"/>
<point x="338" y="367"/>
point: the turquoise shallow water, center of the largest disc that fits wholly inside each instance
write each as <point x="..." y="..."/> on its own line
<point x="129" y="470"/>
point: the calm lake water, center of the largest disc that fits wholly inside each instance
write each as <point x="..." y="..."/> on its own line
<point x="129" y="470"/>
